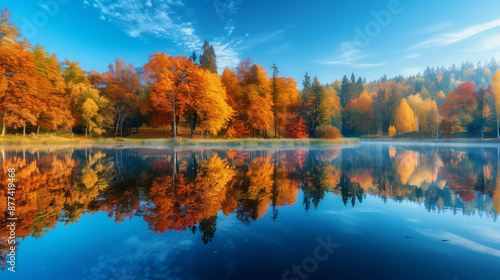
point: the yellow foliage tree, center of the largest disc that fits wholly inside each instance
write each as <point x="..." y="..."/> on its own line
<point x="405" y="118"/>
<point x="211" y="104"/>
<point x="495" y="84"/>
<point x="392" y="131"/>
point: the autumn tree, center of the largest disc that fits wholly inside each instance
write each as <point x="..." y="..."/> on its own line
<point x="172" y="86"/>
<point x="458" y="108"/>
<point x="235" y="98"/>
<point x="93" y="111"/>
<point x="405" y="118"/>
<point x="20" y="104"/>
<point x="56" y="111"/>
<point x="358" y="115"/>
<point x="120" y="85"/>
<point x="495" y="85"/>
<point x="254" y="95"/>
<point x="287" y="102"/>
<point x="296" y="129"/>
<point x="211" y="102"/>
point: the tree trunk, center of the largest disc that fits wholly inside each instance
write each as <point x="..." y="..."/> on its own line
<point x="175" y="119"/>
<point x="498" y="127"/>
<point x="24" y="131"/>
<point x="86" y="130"/>
<point x="201" y="135"/>
<point x="191" y="126"/>
<point x="116" y="127"/>
<point x="38" y="130"/>
<point x="3" y="130"/>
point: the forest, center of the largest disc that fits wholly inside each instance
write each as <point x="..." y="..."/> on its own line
<point x="41" y="94"/>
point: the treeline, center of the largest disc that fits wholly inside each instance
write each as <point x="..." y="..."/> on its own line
<point x="39" y="92"/>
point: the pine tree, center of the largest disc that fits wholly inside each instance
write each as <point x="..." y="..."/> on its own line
<point x="344" y="92"/>
<point x="275" y="97"/>
<point x="320" y="109"/>
<point x="359" y="87"/>
<point x="208" y="59"/>
<point x="193" y="57"/>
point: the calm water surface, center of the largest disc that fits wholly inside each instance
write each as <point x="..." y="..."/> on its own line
<point x="373" y="211"/>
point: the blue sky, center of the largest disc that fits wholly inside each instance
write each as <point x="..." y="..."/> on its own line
<point x="326" y="38"/>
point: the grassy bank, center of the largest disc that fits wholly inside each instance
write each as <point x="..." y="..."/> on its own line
<point x="10" y="140"/>
<point x="430" y="140"/>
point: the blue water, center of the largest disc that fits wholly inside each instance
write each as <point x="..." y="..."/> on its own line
<point x="270" y="220"/>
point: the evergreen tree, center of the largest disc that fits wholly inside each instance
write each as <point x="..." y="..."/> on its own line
<point x="378" y="110"/>
<point x="275" y="97"/>
<point x="208" y="59"/>
<point x="320" y="110"/>
<point x="344" y="92"/>
<point x="193" y="57"/>
<point x="306" y="84"/>
<point x="359" y="87"/>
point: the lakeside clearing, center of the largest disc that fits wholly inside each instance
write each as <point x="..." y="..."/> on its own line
<point x="32" y="140"/>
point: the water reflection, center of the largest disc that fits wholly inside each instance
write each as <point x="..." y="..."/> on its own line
<point x="187" y="189"/>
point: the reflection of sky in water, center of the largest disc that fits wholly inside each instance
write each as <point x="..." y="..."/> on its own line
<point x="376" y="240"/>
<point x="381" y="237"/>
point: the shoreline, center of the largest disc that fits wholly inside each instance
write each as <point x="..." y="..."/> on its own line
<point x="170" y="142"/>
<point x="491" y="142"/>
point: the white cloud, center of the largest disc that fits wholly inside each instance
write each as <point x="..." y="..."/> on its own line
<point x="227" y="55"/>
<point x="350" y="57"/>
<point x="445" y="39"/>
<point x="491" y="43"/>
<point x="463" y="242"/>
<point x="434" y="28"/>
<point x="149" y="18"/>
<point x="155" y="18"/>
<point x="415" y="55"/>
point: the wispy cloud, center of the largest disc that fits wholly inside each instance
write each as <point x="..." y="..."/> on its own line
<point x="279" y="49"/>
<point x="434" y="28"/>
<point x="227" y="54"/>
<point x="351" y="57"/>
<point x="445" y="39"/>
<point x="414" y="55"/>
<point x="463" y="242"/>
<point x="156" y="18"/>
<point x="491" y="43"/>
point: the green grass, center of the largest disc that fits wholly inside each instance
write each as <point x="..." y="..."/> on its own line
<point x="58" y="140"/>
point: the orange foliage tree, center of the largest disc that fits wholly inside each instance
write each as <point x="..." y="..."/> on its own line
<point x="20" y="104"/>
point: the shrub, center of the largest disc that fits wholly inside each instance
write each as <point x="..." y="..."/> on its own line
<point x="327" y="132"/>
<point x="392" y="131"/>
<point x="296" y="129"/>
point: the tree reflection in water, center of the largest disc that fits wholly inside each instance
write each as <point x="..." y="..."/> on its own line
<point x="188" y="188"/>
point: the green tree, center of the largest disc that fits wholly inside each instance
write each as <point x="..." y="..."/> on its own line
<point x="319" y="115"/>
<point x="208" y="60"/>
<point x="275" y="94"/>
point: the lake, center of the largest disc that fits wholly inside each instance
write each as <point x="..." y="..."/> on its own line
<point x="370" y="211"/>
